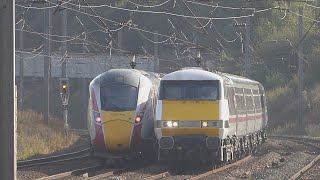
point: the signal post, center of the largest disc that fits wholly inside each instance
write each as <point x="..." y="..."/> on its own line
<point x="64" y="92"/>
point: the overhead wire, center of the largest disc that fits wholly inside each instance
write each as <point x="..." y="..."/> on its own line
<point x="168" y="36"/>
<point x="156" y="42"/>
<point x="304" y="36"/>
<point x="165" y="13"/>
<point x="210" y="27"/>
<point x="107" y="28"/>
<point x="118" y="22"/>
<point x="304" y="16"/>
<point x="44" y="34"/>
<point x="150" y="12"/>
<point x="297" y="51"/>
<point x="218" y="6"/>
<point x="132" y="27"/>
<point x="316" y="7"/>
<point x="25" y="52"/>
<point x="148" y="6"/>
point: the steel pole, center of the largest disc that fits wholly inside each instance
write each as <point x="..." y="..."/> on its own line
<point x="47" y="64"/>
<point x="21" y="70"/>
<point x="300" y="71"/>
<point x="64" y="44"/>
<point x="7" y="91"/>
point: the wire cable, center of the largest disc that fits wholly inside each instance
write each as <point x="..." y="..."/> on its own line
<point x="145" y="6"/>
<point x="166" y="13"/>
<point x="315" y="20"/>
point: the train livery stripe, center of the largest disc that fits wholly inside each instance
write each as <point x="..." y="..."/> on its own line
<point x="94" y="101"/>
<point x="190" y="110"/>
<point x="99" y="139"/>
<point x="244" y="118"/>
<point x="117" y="129"/>
<point x="213" y="132"/>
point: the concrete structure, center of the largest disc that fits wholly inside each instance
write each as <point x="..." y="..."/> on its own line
<point x="81" y="65"/>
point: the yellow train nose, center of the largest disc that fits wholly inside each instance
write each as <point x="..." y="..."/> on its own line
<point x="117" y="130"/>
<point x="117" y="135"/>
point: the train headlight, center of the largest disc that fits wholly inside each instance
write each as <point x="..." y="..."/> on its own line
<point x="212" y="124"/>
<point x="204" y="124"/>
<point x="169" y="124"/>
<point x="175" y="124"/>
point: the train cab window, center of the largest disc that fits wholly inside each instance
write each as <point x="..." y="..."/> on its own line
<point x="172" y="92"/>
<point x="118" y="98"/>
<point x="189" y="90"/>
<point x="205" y="92"/>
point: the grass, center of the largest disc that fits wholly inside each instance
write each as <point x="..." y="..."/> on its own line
<point x="35" y="138"/>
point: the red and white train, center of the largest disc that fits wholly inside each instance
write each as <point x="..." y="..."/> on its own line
<point x="121" y="113"/>
<point x="209" y="116"/>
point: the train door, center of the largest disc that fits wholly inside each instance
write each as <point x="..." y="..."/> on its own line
<point x="258" y="111"/>
<point x="264" y="110"/>
<point x="254" y="111"/>
<point x="249" y="111"/>
<point x="245" y="111"/>
<point x="232" y="111"/>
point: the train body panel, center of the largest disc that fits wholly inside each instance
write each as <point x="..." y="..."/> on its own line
<point x="184" y="110"/>
<point x="118" y="129"/>
<point x="121" y="111"/>
<point x="199" y="113"/>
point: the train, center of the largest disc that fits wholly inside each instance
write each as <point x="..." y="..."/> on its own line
<point x="209" y="116"/>
<point x="121" y="114"/>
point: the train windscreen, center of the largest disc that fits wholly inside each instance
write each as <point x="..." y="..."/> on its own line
<point x="118" y="98"/>
<point x="189" y="90"/>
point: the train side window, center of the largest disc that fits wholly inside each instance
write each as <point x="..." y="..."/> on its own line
<point x="257" y="102"/>
<point x="262" y="101"/>
<point x="231" y="100"/>
<point x="249" y="102"/>
<point x="240" y="102"/>
<point x="226" y="94"/>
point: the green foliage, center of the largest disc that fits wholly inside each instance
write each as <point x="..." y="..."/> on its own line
<point x="275" y="79"/>
<point x="277" y="38"/>
<point x="313" y="65"/>
<point x="276" y="93"/>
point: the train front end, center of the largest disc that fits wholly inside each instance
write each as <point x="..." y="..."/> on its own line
<point x="189" y="123"/>
<point x="117" y="122"/>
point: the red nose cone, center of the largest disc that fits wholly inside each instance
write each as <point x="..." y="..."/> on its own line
<point x="98" y="119"/>
<point x="138" y="119"/>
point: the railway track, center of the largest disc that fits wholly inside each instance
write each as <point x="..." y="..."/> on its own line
<point x="131" y="171"/>
<point x="309" y="166"/>
<point x="83" y="172"/>
<point x="54" y="159"/>
<point x="202" y="175"/>
<point x="94" y="172"/>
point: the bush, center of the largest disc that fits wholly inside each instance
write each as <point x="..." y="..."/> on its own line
<point x="35" y="138"/>
<point x="275" y="79"/>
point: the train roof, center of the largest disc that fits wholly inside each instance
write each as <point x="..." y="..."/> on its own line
<point x="127" y="76"/>
<point x="192" y="74"/>
<point x="197" y="73"/>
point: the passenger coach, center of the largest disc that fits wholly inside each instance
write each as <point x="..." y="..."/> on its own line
<point x="209" y="116"/>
